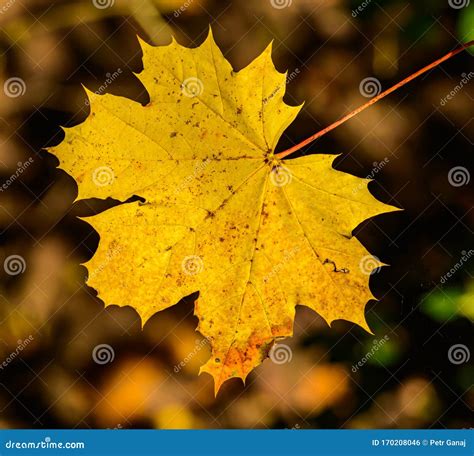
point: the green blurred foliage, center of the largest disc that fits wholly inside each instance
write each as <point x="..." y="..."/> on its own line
<point x="451" y="302"/>
<point x="465" y="25"/>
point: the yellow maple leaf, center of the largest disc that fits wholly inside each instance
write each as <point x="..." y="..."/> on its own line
<point x="224" y="216"/>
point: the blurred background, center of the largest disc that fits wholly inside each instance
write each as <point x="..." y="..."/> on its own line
<point x="67" y="362"/>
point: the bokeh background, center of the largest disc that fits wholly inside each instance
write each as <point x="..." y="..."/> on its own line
<point x="414" y="372"/>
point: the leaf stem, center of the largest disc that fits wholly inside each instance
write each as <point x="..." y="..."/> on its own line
<point x="372" y="101"/>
